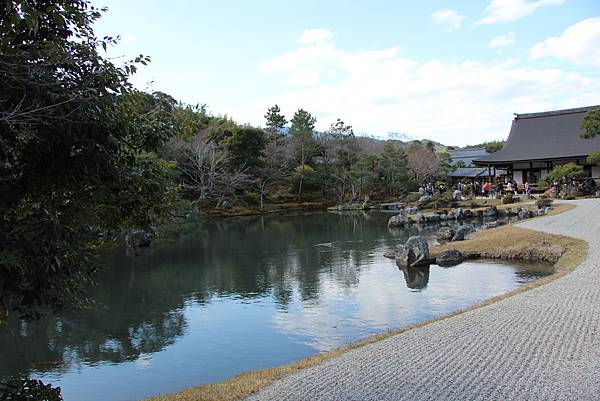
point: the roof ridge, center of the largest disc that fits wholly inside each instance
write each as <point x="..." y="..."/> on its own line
<point x="556" y="112"/>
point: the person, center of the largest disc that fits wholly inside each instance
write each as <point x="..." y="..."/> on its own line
<point x="485" y="189"/>
<point x="509" y="187"/>
<point x="421" y="190"/>
<point x="527" y="189"/>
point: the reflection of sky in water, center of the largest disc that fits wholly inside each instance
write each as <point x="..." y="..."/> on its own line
<point x="246" y="294"/>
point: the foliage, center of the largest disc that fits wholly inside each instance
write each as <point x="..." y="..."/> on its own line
<point x="24" y="389"/>
<point x="423" y="162"/>
<point x="543" y="203"/>
<point x="393" y="168"/>
<point x="594" y="158"/>
<point x="302" y="130"/>
<point x="590" y="125"/>
<point x="77" y="147"/>
<point x="489" y="146"/>
<point x="562" y="172"/>
<point x="507" y="199"/>
<point x="275" y="122"/>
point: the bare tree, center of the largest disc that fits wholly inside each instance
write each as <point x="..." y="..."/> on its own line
<point x="423" y="162"/>
<point x="205" y="169"/>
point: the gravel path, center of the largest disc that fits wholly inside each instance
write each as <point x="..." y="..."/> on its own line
<point x="543" y="344"/>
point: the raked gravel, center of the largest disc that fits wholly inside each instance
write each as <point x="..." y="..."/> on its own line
<point x="542" y="344"/>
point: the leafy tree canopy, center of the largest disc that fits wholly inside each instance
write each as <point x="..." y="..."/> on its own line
<point x="562" y="172"/>
<point x="590" y="125"/>
<point x="76" y="151"/>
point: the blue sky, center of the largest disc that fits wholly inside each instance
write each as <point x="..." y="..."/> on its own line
<point x="449" y="71"/>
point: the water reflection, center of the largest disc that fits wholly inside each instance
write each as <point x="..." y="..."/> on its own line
<point x="241" y="294"/>
<point x="416" y="277"/>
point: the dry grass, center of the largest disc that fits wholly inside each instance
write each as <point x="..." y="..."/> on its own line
<point x="498" y="241"/>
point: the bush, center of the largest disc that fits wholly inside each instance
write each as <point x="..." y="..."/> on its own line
<point x="24" y="389"/>
<point x="543" y="202"/>
<point x="508" y="198"/>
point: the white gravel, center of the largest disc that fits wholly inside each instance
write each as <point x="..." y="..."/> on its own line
<point x="543" y="344"/>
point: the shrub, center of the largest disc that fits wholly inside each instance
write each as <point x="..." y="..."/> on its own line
<point x="24" y="389"/>
<point x="543" y="202"/>
<point x="508" y="198"/>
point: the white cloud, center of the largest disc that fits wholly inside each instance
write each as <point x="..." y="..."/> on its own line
<point x="381" y="91"/>
<point x="579" y="43"/>
<point x="449" y="18"/>
<point x="512" y="10"/>
<point x="503" y="40"/>
<point x="318" y="35"/>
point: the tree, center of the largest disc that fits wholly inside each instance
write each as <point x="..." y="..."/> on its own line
<point x="394" y="168"/>
<point x="341" y="148"/>
<point x="275" y="122"/>
<point x="423" y="162"/>
<point x="302" y="129"/>
<point x="563" y="172"/>
<point x="590" y="125"/>
<point x="594" y="158"/>
<point x="76" y="146"/>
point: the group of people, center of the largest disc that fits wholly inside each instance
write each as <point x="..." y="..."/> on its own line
<point x="491" y="189"/>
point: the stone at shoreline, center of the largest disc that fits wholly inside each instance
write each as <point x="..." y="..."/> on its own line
<point x="415" y="252"/>
<point x="461" y="233"/>
<point x="411" y="210"/>
<point x="390" y="255"/>
<point x="137" y="239"/>
<point x="399" y="220"/>
<point x="450" y="257"/>
<point x="491" y="211"/>
<point x="425" y="199"/>
<point x="445" y="234"/>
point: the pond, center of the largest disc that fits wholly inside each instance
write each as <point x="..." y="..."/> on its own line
<point x="242" y="294"/>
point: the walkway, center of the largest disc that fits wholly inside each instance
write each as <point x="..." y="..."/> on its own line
<point x="543" y="344"/>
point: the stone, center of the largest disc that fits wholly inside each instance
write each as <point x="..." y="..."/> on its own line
<point x="399" y="220"/>
<point x="451" y="257"/>
<point x="411" y="210"/>
<point x="490" y="211"/>
<point x="137" y="239"/>
<point x="451" y="215"/>
<point x="525" y="214"/>
<point x="491" y="224"/>
<point x="425" y="200"/>
<point x="415" y="252"/>
<point x="468" y="213"/>
<point x="419" y="218"/>
<point x="390" y="255"/>
<point x="445" y="234"/>
<point x="461" y="233"/>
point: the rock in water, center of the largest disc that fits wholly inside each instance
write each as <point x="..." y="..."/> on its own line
<point x="399" y="220"/>
<point x="445" y="234"/>
<point x="415" y="251"/>
<point x="451" y="257"/>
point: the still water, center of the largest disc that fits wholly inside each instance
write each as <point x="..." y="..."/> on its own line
<point x="242" y="294"/>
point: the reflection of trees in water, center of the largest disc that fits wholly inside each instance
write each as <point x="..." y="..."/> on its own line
<point x="140" y="301"/>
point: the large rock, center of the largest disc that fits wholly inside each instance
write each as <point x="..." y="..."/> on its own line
<point x="451" y="257"/>
<point x="525" y="214"/>
<point x="461" y="233"/>
<point x="445" y="234"/>
<point x="137" y="239"/>
<point x="490" y="211"/>
<point x="399" y="220"/>
<point x="415" y="252"/>
<point x="425" y="200"/>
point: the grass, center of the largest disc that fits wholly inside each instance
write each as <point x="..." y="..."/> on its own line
<point x="499" y="242"/>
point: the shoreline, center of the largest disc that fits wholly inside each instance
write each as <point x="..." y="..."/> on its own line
<point x="249" y="383"/>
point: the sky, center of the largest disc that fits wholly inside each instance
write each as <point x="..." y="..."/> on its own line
<point x="454" y="72"/>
